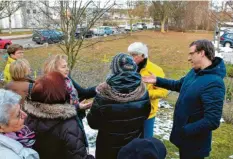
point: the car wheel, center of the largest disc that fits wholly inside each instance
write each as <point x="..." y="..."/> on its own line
<point x="227" y="44"/>
<point x="6" y="46"/>
<point x="50" y="41"/>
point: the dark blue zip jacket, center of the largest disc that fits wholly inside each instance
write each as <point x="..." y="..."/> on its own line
<point x="198" y="109"/>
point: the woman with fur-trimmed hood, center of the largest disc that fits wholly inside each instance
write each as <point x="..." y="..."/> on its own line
<point x="120" y="108"/>
<point x="58" y="134"/>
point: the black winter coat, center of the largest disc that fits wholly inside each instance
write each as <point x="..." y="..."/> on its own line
<point x="58" y="135"/>
<point x="118" y="117"/>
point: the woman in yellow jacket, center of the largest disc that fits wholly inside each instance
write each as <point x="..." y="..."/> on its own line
<point x="139" y="51"/>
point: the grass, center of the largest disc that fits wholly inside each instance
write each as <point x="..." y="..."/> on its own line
<point x="169" y="51"/>
<point x="15" y="33"/>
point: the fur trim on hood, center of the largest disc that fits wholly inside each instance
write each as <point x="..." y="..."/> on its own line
<point x="107" y="92"/>
<point x="50" y="111"/>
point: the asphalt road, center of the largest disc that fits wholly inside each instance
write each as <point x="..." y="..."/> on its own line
<point x="25" y="42"/>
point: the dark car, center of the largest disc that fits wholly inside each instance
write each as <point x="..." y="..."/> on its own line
<point x="144" y="26"/>
<point x="227" y="39"/>
<point x="47" y="36"/>
<point x="82" y="32"/>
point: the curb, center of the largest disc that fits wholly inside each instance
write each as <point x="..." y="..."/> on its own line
<point x="16" y="37"/>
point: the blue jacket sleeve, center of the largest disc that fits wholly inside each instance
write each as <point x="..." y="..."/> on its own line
<point x="84" y="93"/>
<point x="173" y="85"/>
<point x="212" y="98"/>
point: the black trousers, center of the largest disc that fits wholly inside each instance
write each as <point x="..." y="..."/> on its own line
<point x="183" y="155"/>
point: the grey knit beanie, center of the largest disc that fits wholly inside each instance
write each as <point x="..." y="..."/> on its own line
<point x="123" y="63"/>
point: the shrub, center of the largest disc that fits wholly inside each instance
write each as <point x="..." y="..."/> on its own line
<point x="109" y="23"/>
<point x="229" y="68"/>
<point x="228" y="112"/>
<point x="229" y="88"/>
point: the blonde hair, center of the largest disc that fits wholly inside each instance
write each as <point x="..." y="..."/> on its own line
<point x="50" y="64"/>
<point x="19" y="69"/>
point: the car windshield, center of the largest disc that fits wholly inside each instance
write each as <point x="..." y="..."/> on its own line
<point x="81" y="29"/>
<point x="46" y="33"/>
<point x="100" y="28"/>
<point x="58" y="32"/>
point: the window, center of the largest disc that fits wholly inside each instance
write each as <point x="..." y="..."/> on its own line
<point x="230" y="36"/>
<point x="34" y="11"/>
<point x="28" y="11"/>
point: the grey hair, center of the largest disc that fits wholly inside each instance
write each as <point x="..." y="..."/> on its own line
<point x="8" y="100"/>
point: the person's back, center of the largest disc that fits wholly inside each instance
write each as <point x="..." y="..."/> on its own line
<point x="118" y="122"/>
<point x="58" y="134"/>
<point x="120" y="108"/>
<point x="56" y="138"/>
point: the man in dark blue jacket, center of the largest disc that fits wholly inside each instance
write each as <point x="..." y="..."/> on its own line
<point x="198" y="109"/>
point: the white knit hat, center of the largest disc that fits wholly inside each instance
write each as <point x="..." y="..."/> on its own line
<point x="138" y="48"/>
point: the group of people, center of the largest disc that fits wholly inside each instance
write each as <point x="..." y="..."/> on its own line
<point x="42" y="118"/>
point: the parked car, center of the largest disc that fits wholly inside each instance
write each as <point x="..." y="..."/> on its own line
<point x="82" y="32"/>
<point x="47" y="36"/>
<point x="141" y="26"/>
<point x="115" y="30"/>
<point x="103" y="30"/>
<point x="227" y="39"/>
<point x="4" y="43"/>
<point x="150" y="26"/>
<point x="128" y="28"/>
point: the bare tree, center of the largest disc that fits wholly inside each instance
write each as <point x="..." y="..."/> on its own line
<point x="10" y="9"/>
<point x="162" y="10"/>
<point x="130" y="11"/>
<point x="140" y="9"/>
<point x="71" y="14"/>
<point x="3" y="6"/>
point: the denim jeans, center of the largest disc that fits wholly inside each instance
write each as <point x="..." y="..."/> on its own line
<point x="149" y="127"/>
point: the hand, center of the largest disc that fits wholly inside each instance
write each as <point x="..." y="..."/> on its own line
<point x="150" y="79"/>
<point x="85" y="105"/>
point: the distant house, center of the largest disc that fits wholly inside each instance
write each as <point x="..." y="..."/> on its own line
<point x="29" y="16"/>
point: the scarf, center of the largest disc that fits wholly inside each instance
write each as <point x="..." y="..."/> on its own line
<point x="124" y="82"/>
<point x="73" y="94"/>
<point x="25" y="136"/>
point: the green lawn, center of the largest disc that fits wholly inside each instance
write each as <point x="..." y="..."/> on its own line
<point x="15" y="33"/>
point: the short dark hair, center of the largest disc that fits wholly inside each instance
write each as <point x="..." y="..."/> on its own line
<point x="205" y="45"/>
<point x="50" y="89"/>
<point x="13" y="48"/>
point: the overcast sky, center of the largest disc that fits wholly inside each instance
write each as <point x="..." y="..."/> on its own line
<point x="122" y="3"/>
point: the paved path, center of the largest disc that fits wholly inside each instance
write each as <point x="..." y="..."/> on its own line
<point x="16" y="36"/>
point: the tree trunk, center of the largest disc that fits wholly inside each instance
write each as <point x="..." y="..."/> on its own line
<point x="10" y="30"/>
<point x="163" y="25"/>
<point x="131" y="25"/>
<point x="218" y="37"/>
